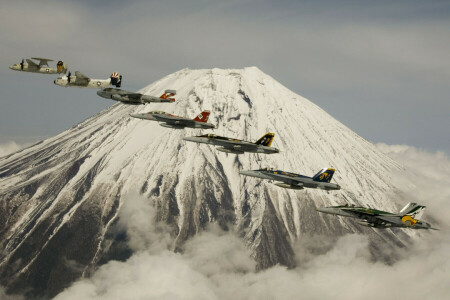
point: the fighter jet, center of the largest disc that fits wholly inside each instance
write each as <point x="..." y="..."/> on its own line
<point x="82" y="81"/>
<point x="296" y="181"/>
<point x="135" y="98"/>
<point x="41" y="67"/>
<point x="230" y="145"/>
<point x="408" y="217"/>
<point x="177" y="122"/>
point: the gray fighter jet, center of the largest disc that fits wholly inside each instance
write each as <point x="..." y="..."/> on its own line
<point x="176" y="122"/>
<point x="135" y="98"/>
<point x="296" y="181"/>
<point x="230" y="145"/>
<point x="408" y="217"/>
<point x="41" y="67"/>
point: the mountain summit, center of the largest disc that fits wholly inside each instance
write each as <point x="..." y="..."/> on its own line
<point x="61" y="197"/>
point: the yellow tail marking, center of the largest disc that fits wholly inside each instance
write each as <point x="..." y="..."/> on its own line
<point x="271" y="136"/>
<point x="409" y="220"/>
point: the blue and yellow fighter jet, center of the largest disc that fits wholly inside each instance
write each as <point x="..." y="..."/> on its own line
<point x="296" y="181"/>
<point x="408" y="217"/>
<point x="235" y="146"/>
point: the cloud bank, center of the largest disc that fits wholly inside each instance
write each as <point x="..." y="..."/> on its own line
<point x="217" y="265"/>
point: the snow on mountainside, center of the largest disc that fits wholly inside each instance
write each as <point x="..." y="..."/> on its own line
<point x="61" y="197"/>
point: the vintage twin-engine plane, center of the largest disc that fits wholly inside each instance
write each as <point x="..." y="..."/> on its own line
<point x="176" y="122"/>
<point x="41" y="67"/>
<point x="135" y="98"/>
<point x="235" y="146"/>
<point x="296" y="181"/>
<point x="82" y="81"/>
<point x="408" y="217"/>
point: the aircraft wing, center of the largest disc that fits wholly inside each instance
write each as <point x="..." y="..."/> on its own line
<point x="365" y="212"/>
<point x="287" y="178"/>
<point x="150" y="99"/>
<point x="32" y="63"/>
<point x="42" y="61"/>
<point x="134" y="97"/>
<point x="233" y="144"/>
<point x="80" y="75"/>
<point x="80" y="78"/>
<point x="173" y="120"/>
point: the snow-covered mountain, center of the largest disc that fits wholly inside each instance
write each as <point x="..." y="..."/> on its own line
<point x="61" y="197"/>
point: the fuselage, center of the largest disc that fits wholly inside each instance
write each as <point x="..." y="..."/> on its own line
<point x="231" y="145"/>
<point x="119" y="95"/>
<point x="375" y="218"/>
<point x="91" y="83"/>
<point x="26" y="68"/>
<point x="290" y="180"/>
<point x="172" y="121"/>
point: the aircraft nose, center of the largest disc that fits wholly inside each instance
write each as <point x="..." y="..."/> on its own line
<point x="139" y="116"/>
<point x="190" y="139"/>
<point x="325" y="210"/>
<point x="248" y="173"/>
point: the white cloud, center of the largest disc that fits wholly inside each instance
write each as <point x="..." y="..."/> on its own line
<point x="9" y="147"/>
<point x="217" y="265"/>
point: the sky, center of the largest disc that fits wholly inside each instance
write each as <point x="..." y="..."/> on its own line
<point x="380" y="67"/>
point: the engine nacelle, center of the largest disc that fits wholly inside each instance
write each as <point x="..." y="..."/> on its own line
<point x="117" y="97"/>
<point x="374" y="224"/>
<point x="116" y="79"/>
<point x="290" y="186"/>
<point x="226" y="150"/>
<point x="171" y="126"/>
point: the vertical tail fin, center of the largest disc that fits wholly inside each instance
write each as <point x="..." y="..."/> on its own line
<point x="202" y="117"/>
<point x="324" y="175"/>
<point x="413" y="210"/>
<point x="266" y="140"/>
<point x="167" y="94"/>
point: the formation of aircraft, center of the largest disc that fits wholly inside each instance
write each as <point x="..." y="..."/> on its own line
<point x="408" y="217"/>
<point x="41" y="67"/>
<point x="235" y="146"/>
<point x="176" y="122"/>
<point x="296" y="181"/>
<point x="82" y="81"/>
<point x="135" y="98"/>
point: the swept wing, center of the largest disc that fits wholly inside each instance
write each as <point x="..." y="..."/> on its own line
<point x="173" y="120"/>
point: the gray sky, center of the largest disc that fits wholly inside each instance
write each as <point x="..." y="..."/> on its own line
<point x="381" y="68"/>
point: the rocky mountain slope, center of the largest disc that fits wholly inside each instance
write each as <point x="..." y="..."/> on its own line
<point x="61" y="197"/>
